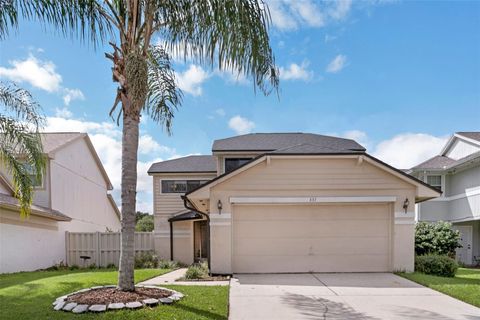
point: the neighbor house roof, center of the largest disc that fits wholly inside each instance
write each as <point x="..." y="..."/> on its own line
<point x="275" y="141"/>
<point x="471" y="135"/>
<point x="189" y="164"/>
<point x="445" y="163"/>
<point x="10" y="202"/>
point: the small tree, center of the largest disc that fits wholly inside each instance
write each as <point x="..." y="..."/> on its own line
<point x="436" y="238"/>
<point x="145" y="223"/>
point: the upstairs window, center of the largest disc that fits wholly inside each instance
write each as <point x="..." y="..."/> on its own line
<point x="233" y="163"/>
<point x="435" y="181"/>
<point x="37" y="182"/>
<point x="180" y="186"/>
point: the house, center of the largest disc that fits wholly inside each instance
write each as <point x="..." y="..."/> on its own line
<point x="286" y="202"/>
<point x="456" y="172"/>
<point x="73" y="196"/>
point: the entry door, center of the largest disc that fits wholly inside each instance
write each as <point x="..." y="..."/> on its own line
<point x="464" y="254"/>
<point x="201" y="241"/>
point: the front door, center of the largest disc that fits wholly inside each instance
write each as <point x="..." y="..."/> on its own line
<point x="200" y="245"/>
<point x="464" y="254"/>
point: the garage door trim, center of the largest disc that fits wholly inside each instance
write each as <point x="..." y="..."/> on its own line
<point x="311" y="199"/>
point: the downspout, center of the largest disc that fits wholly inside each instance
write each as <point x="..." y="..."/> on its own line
<point x="171" y="240"/>
<point x="189" y="206"/>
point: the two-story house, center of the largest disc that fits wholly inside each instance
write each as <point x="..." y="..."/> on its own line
<point x="286" y="202"/>
<point x="456" y="172"/>
<point x="73" y="195"/>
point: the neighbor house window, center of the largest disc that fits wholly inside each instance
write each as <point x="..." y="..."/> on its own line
<point x="37" y="182"/>
<point x="435" y="181"/>
<point x="233" y="163"/>
<point x="180" y="186"/>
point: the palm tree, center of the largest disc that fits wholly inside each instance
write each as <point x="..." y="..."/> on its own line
<point x="20" y="143"/>
<point x="230" y="34"/>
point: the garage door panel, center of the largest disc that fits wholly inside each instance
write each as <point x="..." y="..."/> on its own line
<point x="326" y="238"/>
<point x="314" y="246"/>
<point x="294" y="229"/>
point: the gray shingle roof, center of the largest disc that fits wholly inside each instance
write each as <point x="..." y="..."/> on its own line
<point x="54" y="140"/>
<point x="275" y="141"/>
<point x="11" y="202"/>
<point x="185" y="164"/>
<point x="306" y="148"/>
<point x="437" y="162"/>
<point x="471" y="135"/>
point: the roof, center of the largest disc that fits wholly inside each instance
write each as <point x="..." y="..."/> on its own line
<point x="189" y="215"/>
<point x="437" y="162"/>
<point x="307" y="148"/>
<point x="275" y="141"/>
<point x="10" y="202"/>
<point x="189" y="164"/>
<point x="470" y="134"/>
<point x="52" y="141"/>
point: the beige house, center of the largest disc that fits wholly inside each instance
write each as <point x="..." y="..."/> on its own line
<point x="287" y="202"/>
<point x="456" y="172"/>
<point x="72" y="196"/>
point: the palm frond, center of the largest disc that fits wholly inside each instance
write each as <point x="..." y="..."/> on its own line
<point x="230" y="33"/>
<point x="164" y="96"/>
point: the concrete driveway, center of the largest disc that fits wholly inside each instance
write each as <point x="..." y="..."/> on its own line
<point x="356" y="296"/>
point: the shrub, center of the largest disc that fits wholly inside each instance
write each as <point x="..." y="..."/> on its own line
<point x="439" y="265"/>
<point x="168" y="264"/>
<point x="111" y="266"/>
<point x="436" y="238"/>
<point x="197" y="271"/>
<point x="146" y="260"/>
<point x="73" y="267"/>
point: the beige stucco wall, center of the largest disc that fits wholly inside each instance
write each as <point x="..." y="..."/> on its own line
<point x="165" y="206"/>
<point x="29" y="244"/>
<point x="307" y="177"/>
<point x="79" y="190"/>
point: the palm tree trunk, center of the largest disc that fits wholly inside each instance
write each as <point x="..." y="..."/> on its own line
<point x="129" y="191"/>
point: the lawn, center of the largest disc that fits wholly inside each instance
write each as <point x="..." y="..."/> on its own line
<point x="29" y="295"/>
<point x="464" y="286"/>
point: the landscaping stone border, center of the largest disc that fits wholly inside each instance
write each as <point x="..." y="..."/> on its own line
<point x="60" y="304"/>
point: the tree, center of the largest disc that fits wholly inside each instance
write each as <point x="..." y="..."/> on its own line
<point x="436" y="238"/>
<point x="20" y="143"/>
<point x="145" y="223"/>
<point x="230" y="34"/>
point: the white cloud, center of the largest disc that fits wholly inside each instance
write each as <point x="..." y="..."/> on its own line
<point x="296" y="72"/>
<point x="409" y="149"/>
<point x="293" y="14"/>
<point x="337" y="64"/>
<point x="72" y="94"/>
<point x="241" y="125"/>
<point x="40" y="74"/>
<point x="191" y="80"/>
<point x="147" y="145"/>
<point x="63" y="113"/>
<point x="220" y="112"/>
<point x="231" y="76"/>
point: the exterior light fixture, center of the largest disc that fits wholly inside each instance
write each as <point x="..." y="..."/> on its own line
<point x="219" y="206"/>
<point x="406" y="203"/>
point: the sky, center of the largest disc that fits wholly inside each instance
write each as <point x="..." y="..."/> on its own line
<point x="399" y="77"/>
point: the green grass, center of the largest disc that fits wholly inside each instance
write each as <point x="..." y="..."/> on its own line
<point x="29" y="295"/>
<point x="464" y="286"/>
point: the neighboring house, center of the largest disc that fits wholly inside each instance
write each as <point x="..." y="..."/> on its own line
<point x="73" y="195"/>
<point x="287" y="202"/>
<point x="455" y="172"/>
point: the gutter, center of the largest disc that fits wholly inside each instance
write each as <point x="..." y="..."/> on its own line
<point x="190" y="206"/>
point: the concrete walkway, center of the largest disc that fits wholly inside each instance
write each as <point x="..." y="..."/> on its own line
<point x="366" y="296"/>
<point x="169" y="278"/>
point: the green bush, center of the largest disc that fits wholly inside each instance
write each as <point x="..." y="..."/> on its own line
<point x="168" y="264"/>
<point x="439" y="265"/>
<point x="436" y="238"/>
<point x="146" y="260"/>
<point x="197" y="271"/>
<point x="111" y="266"/>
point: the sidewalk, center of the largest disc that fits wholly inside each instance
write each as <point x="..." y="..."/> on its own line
<point x="169" y="278"/>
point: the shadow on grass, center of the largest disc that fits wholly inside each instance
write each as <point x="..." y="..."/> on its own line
<point x="203" y="313"/>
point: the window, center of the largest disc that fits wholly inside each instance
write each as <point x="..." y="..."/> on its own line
<point x="37" y="182"/>
<point x="233" y="163"/>
<point x="180" y="186"/>
<point x="435" y="181"/>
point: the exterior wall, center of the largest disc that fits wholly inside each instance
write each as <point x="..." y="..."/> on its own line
<point x="79" y="190"/>
<point x="309" y="177"/>
<point x="165" y="206"/>
<point x="463" y="180"/>
<point x="461" y="149"/>
<point x="29" y="244"/>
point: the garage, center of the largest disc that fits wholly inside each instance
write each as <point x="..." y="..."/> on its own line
<point x="353" y="237"/>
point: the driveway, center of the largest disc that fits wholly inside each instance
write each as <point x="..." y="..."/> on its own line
<point x="348" y="296"/>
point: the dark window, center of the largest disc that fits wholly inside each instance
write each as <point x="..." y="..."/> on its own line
<point x="435" y="181"/>
<point x="180" y="186"/>
<point x="37" y="181"/>
<point x="233" y="163"/>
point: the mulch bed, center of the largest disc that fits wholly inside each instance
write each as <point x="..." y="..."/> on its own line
<point x="114" y="295"/>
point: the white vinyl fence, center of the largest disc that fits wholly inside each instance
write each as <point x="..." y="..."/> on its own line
<point x="103" y="248"/>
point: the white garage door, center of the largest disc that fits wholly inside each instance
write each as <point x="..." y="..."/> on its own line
<point x="311" y="238"/>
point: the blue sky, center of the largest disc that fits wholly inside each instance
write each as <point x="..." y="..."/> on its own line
<point x="398" y="76"/>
